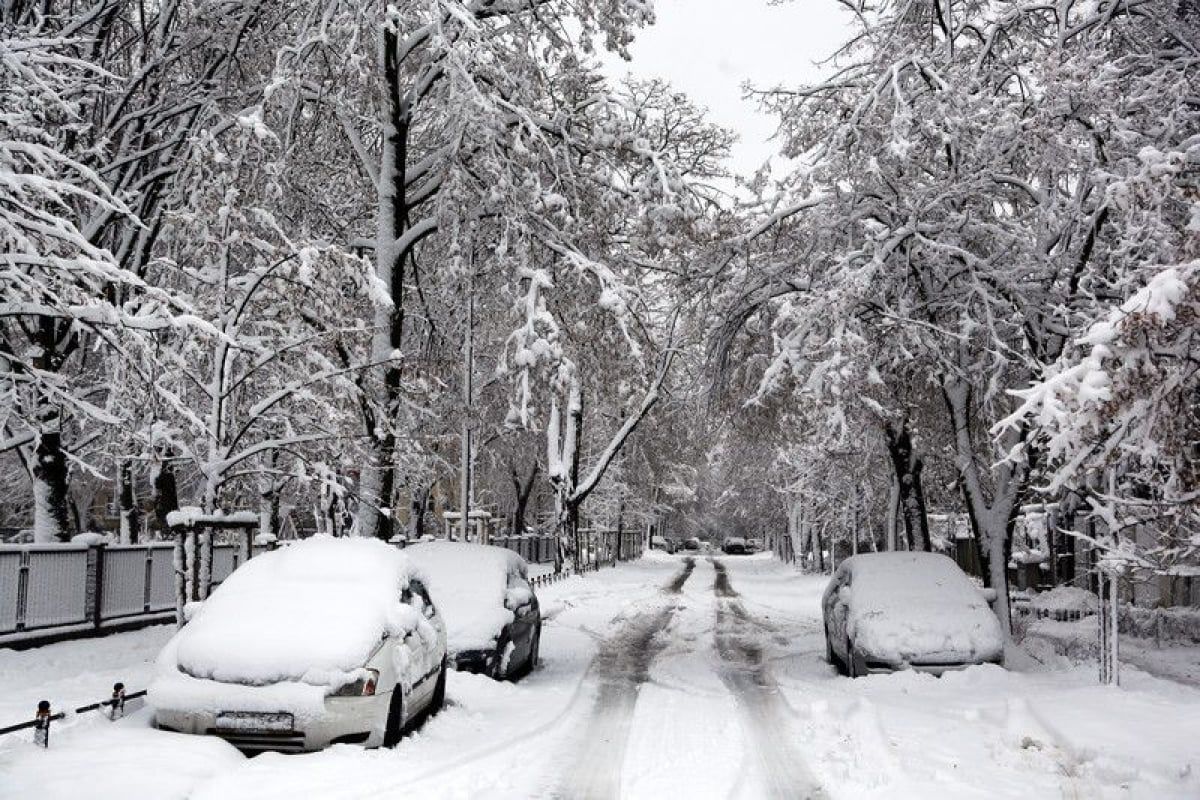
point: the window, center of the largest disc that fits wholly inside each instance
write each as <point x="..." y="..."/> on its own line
<point x="418" y="598"/>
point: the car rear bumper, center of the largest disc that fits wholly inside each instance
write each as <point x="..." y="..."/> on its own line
<point x="346" y="720"/>
<point x="870" y="667"/>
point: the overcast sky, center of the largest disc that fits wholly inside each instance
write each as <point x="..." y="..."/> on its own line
<point x="709" y="48"/>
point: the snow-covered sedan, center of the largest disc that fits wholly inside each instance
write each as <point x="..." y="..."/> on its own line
<point x="907" y="610"/>
<point x="493" y="621"/>
<point x="327" y="641"/>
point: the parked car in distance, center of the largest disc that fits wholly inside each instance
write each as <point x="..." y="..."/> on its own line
<point x="907" y="610"/>
<point x="662" y="543"/>
<point x="327" y="641"/>
<point x="754" y="545"/>
<point x="693" y="544"/>
<point x="493" y="621"/>
<point x="734" y="546"/>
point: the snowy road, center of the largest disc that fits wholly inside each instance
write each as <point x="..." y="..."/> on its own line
<point x="703" y="678"/>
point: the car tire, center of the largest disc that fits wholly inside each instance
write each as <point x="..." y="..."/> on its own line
<point x="498" y="672"/>
<point x="394" y="731"/>
<point x="534" y="649"/>
<point x="439" y="691"/>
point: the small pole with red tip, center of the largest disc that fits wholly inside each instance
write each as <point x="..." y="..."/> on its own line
<point x="41" y="728"/>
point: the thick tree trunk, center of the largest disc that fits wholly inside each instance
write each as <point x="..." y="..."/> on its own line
<point x="521" y="491"/>
<point x="392" y="223"/>
<point x="992" y="513"/>
<point x="51" y="509"/>
<point x="908" y="466"/>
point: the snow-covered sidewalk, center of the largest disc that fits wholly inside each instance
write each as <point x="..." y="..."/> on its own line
<point x="657" y="679"/>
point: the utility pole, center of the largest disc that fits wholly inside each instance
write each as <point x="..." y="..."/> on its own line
<point x="464" y="488"/>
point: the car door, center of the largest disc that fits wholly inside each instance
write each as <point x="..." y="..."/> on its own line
<point x="424" y="655"/>
<point x="521" y="600"/>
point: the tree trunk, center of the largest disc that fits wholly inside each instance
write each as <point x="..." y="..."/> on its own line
<point x="908" y="466"/>
<point x="130" y="518"/>
<point x="166" y="495"/>
<point x="51" y="510"/>
<point x="992" y="517"/>
<point x="522" y="491"/>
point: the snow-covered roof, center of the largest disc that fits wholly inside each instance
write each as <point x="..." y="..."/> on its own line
<point x="307" y="613"/>
<point x="468" y="583"/>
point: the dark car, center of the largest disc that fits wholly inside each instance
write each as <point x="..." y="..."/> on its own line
<point x="493" y="621"/>
<point x="735" y="546"/>
<point x="692" y="544"/>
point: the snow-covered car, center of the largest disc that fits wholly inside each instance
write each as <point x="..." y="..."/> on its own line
<point x="493" y="621"/>
<point x="734" y="546"/>
<point x="328" y="641"/>
<point x="907" y="610"/>
<point x="693" y="543"/>
<point x="754" y="545"/>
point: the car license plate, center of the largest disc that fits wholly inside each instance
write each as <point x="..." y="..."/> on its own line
<point x="254" y="721"/>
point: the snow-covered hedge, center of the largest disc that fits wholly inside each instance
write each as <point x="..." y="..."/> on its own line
<point x="1175" y="624"/>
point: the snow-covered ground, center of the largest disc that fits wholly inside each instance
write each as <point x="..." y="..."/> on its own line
<point x="657" y="679"/>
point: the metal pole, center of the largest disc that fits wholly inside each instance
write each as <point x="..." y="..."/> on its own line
<point x="464" y="489"/>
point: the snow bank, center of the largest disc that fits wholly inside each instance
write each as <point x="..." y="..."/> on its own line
<point x="123" y="763"/>
<point x="469" y="585"/>
<point x="310" y="613"/>
<point x="908" y="607"/>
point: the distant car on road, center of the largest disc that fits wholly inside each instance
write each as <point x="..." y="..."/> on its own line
<point x="734" y="546"/>
<point x="907" y="610"/>
<point x="693" y="544"/>
<point x="754" y="545"/>
<point x="662" y="543"/>
<point x="327" y="641"/>
<point x="493" y="621"/>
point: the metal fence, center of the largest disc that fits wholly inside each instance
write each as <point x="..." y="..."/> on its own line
<point x="50" y="590"/>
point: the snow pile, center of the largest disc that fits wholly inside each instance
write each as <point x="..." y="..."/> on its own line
<point x="1065" y="598"/>
<point x="91" y="538"/>
<point x="469" y="585"/>
<point x="912" y="607"/>
<point x="312" y="613"/>
<point x="122" y="763"/>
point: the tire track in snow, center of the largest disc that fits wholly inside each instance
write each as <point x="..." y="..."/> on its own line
<point x="746" y="673"/>
<point x="620" y="668"/>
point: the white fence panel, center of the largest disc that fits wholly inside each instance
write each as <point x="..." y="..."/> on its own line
<point x="10" y="576"/>
<point x="124" y="590"/>
<point x="162" y="578"/>
<point x="57" y="592"/>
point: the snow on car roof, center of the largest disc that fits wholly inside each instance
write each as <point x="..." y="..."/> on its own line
<point x="308" y="612"/>
<point x="468" y="584"/>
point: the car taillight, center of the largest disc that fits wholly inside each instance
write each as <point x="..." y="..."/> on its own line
<point x="369" y="684"/>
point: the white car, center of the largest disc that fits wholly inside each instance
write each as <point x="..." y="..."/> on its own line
<point x="327" y="641"/>
<point x="907" y="610"/>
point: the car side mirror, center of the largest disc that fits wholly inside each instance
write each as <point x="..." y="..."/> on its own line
<point x="989" y="594"/>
